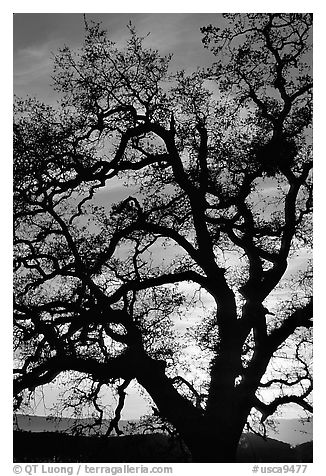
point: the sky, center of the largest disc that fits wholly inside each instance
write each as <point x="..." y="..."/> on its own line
<point x="37" y="36"/>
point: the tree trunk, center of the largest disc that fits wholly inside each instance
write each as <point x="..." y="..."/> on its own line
<point x="210" y="440"/>
<point x="213" y="447"/>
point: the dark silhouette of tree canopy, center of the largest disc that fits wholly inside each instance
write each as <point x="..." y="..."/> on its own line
<point x="217" y="165"/>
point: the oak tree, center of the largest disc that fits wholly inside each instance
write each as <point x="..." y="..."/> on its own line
<point x="216" y="166"/>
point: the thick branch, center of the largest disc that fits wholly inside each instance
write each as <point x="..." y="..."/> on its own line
<point x="146" y="283"/>
<point x="301" y="317"/>
<point x="268" y="409"/>
<point x="119" y="367"/>
<point x="114" y="424"/>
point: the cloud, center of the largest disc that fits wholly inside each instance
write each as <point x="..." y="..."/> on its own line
<point x="37" y="35"/>
<point x="32" y="72"/>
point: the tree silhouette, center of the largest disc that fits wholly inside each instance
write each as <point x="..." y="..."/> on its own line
<point x="217" y="166"/>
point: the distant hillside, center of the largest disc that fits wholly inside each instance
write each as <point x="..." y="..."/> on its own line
<point x="58" y="447"/>
<point x="254" y="449"/>
<point x="63" y="425"/>
<point x="304" y="452"/>
<point x="291" y="431"/>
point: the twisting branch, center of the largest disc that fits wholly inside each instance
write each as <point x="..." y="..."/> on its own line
<point x="268" y="409"/>
<point x="114" y="424"/>
<point x="301" y="317"/>
<point x="182" y="381"/>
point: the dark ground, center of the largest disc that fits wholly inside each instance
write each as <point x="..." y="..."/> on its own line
<point x="149" y="448"/>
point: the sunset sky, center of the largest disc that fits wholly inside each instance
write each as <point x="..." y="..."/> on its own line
<point x="38" y="36"/>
